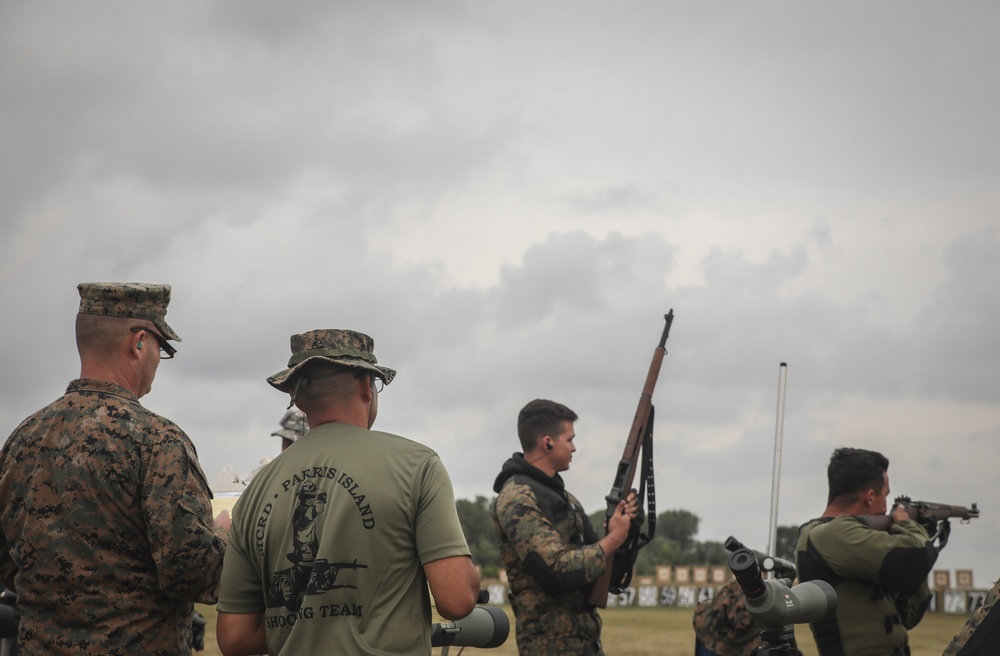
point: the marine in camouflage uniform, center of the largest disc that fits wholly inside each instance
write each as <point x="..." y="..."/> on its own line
<point x="548" y="546"/>
<point x="106" y="532"/>
<point x="724" y="625"/>
<point x="981" y="634"/>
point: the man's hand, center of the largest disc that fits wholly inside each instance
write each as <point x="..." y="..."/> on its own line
<point x="631" y="508"/>
<point x="632" y="505"/>
<point x="620" y="523"/>
<point x="899" y="513"/>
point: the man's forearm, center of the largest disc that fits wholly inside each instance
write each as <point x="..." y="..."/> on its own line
<point x="454" y="584"/>
<point x="241" y="634"/>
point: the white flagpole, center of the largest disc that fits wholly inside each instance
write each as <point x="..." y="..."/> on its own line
<point x="776" y="475"/>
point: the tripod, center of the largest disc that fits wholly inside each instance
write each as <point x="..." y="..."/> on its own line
<point x="778" y="641"/>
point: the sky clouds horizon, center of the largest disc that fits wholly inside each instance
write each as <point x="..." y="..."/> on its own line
<point x="508" y="199"/>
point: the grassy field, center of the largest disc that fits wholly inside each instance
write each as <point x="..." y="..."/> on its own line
<point x="666" y="631"/>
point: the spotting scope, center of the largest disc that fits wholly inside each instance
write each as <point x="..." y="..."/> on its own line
<point x="773" y="603"/>
<point x="485" y="627"/>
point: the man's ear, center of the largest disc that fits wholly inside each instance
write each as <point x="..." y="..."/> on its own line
<point x="135" y="342"/>
<point x="365" y="381"/>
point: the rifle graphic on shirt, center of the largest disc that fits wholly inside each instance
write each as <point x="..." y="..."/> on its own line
<point x="308" y="574"/>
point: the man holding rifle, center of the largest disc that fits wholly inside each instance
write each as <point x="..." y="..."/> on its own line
<point x="880" y="575"/>
<point x="551" y="551"/>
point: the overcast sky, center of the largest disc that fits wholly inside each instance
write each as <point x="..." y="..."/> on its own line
<point x="508" y="197"/>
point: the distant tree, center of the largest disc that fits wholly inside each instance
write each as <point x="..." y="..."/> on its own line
<point x="678" y="525"/>
<point x="707" y="553"/>
<point x="597" y="521"/>
<point x="477" y="525"/>
<point x="659" y="552"/>
<point x="788" y="537"/>
<point x="475" y="516"/>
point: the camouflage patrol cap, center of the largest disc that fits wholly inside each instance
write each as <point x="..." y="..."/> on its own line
<point x="135" y="300"/>
<point x="346" y="348"/>
<point x="293" y="425"/>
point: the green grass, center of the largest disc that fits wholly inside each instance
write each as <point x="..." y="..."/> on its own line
<point x="666" y="631"/>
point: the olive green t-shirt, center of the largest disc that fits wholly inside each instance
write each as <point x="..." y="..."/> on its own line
<point x="329" y="539"/>
<point x="880" y="578"/>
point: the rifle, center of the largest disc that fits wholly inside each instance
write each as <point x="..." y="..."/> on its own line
<point x="933" y="516"/>
<point x="617" y="575"/>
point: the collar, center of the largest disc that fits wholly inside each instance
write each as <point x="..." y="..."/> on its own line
<point x="99" y="387"/>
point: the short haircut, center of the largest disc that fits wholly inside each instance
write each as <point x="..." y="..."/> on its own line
<point x="855" y="471"/>
<point x="326" y="384"/>
<point x="99" y="334"/>
<point x="540" y="418"/>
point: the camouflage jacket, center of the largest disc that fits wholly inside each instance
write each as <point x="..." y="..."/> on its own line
<point x="547" y="546"/>
<point x="724" y="625"/>
<point x="981" y="633"/>
<point x="106" y="531"/>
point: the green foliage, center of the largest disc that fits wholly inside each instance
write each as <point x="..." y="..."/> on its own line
<point x="597" y="521"/>
<point x="658" y="552"/>
<point x="678" y="525"/>
<point x="707" y="553"/>
<point x="477" y="524"/>
<point x="787" y="538"/>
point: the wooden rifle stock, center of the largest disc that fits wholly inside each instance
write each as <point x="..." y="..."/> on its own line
<point x="625" y="474"/>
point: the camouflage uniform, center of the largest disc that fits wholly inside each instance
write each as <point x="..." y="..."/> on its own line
<point x="548" y="547"/>
<point x="724" y="625"/>
<point x="106" y="530"/>
<point x="981" y="633"/>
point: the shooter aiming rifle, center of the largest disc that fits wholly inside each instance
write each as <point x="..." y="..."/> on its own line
<point x="618" y="571"/>
<point x="932" y="516"/>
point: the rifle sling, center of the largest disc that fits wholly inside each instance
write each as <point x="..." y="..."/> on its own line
<point x="627" y="554"/>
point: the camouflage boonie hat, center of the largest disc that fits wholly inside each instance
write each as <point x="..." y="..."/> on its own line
<point x="347" y="348"/>
<point x="134" y="300"/>
<point x="293" y="425"/>
<point x="724" y="625"/>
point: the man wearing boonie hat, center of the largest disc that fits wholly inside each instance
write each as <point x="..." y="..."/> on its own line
<point x="293" y="426"/>
<point x="106" y="532"/>
<point x="334" y="542"/>
<point x="723" y="626"/>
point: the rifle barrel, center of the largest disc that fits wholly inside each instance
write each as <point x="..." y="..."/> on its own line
<point x="625" y="473"/>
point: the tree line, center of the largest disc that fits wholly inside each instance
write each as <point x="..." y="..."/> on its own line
<point x="674" y="542"/>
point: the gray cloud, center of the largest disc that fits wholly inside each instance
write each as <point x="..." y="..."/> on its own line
<point x="509" y="210"/>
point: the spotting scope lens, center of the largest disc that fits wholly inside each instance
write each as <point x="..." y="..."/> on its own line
<point x="743" y="565"/>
